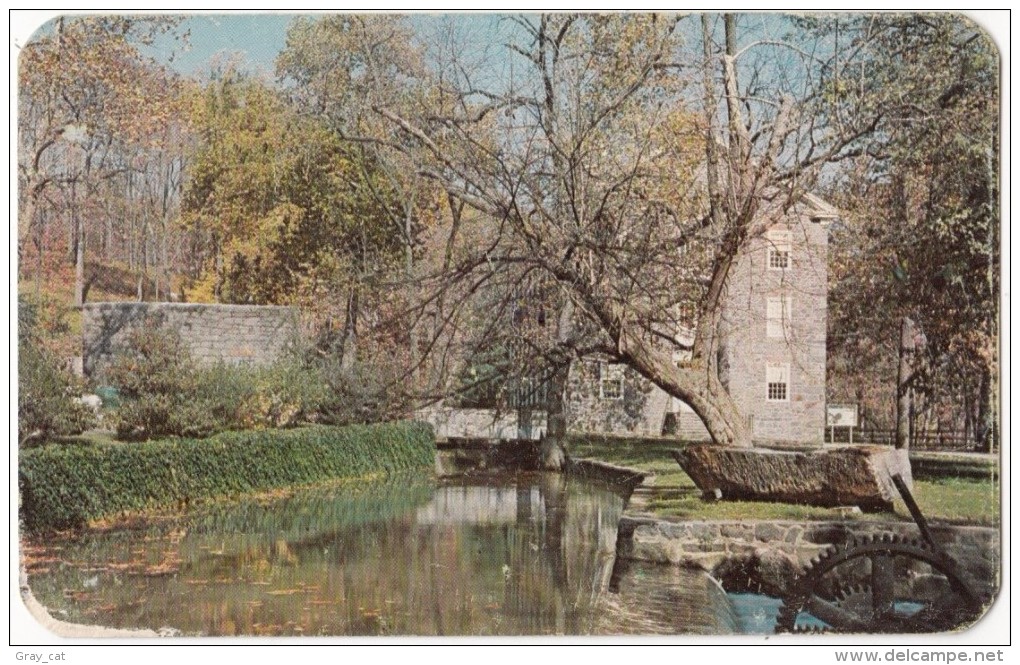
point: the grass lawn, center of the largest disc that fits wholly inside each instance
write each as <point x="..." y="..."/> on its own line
<point x="957" y="500"/>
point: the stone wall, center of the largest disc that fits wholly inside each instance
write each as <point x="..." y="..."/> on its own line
<point x="452" y="423"/>
<point x="639" y="410"/>
<point x="771" y="554"/>
<point x="233" y="334"/>
<point x="800" y="418"/>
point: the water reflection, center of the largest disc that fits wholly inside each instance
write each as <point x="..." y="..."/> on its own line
<point x="525" y="554"/>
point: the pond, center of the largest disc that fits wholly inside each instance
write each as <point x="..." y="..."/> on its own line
<point x="510" y="554"/>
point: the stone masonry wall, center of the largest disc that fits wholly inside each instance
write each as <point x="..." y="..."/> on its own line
<point x="748" y="348"/>
<point x="773" y="553"/>
<point x="639" y="410"/>
<point x="233" y="334"/>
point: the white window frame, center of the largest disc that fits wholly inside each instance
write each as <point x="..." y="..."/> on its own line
<point x="611" y="376"/>
<point x="780" y="246"/>
<point x="778" y="317"/>
<point x="777" y="382"/>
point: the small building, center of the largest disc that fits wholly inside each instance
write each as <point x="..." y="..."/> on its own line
<point x="773" y="354"/>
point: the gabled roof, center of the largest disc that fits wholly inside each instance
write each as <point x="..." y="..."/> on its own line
<point x="817" y="209"/>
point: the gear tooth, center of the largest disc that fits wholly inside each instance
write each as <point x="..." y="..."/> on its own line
<point x="823" y="576"/>
<point x="786" y="621"/>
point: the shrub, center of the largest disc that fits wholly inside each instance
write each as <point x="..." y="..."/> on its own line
<point x="156" y="379"/>
<point x="163" y="392"/>
<point x="46" y="390"/>
<point x="46" y="397"/>
<point x="362" y="392"/>
<point x="67" y="486"/>
<point x="240" y="397"/>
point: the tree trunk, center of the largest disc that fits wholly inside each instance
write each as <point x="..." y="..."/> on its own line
<point x="697" y="385"/>
<point x="349" y="341"/>
<point x="554" y="443"/>
<point x="79" y="250"/>
<point x="412" y="334"/>
<point x="553" y="450"/>
<point x="143" y="271"/>
<point x="39" y="240"/>
<point x="218" y="260"/>
<point x="985" y="427"/>
<point x="903" y="391"/>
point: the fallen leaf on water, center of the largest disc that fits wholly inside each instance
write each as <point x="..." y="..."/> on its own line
<point x="34" y="561"/>
<point x="159" y="570"/>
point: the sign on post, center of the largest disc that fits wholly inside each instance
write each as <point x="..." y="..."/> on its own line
<point x="840" y="415"/>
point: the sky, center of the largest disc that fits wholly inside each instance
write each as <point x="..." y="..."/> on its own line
<point x="257" y="38"/>
<point x="253" y="39"/>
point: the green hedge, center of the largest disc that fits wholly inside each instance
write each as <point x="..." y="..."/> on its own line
<point x="67" y="486"/>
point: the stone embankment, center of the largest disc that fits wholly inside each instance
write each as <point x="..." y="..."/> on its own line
<point x="767" y="556"/>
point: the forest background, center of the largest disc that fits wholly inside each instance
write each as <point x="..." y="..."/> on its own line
<point x="290" y="183"/>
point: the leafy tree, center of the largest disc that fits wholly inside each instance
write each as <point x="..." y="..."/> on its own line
<point x="282" y="202"/>
<point x="337" y="69"/>
<point x="921" y="238"/>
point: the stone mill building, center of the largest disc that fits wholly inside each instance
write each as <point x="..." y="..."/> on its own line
<point x="774" y="346"/>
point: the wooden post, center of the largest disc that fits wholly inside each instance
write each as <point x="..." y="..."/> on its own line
<point x="903" y="392"/>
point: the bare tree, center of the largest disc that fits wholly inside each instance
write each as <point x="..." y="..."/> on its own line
<point x="615" y="171"/>
<point x="87" y="97"/>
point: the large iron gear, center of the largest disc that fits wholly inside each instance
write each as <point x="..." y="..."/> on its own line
<point x="882" y="584"/>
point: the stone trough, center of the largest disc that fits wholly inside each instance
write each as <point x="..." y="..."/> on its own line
<point x="837" y="476"/>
